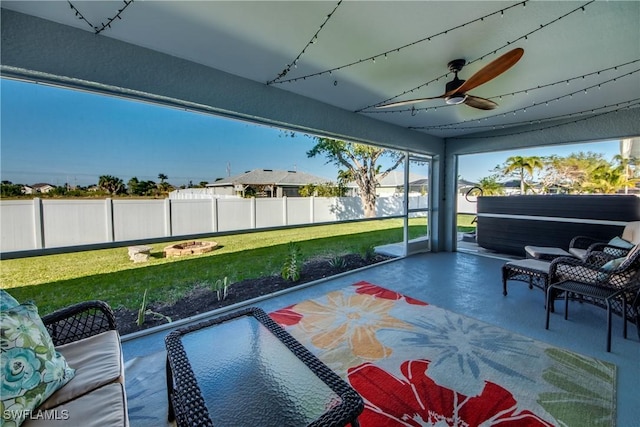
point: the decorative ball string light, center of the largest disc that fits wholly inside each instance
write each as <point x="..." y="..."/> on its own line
<point x="540" y="129"/>
<point x="493" y="52"/>
<point x="385" y="54"/>
<point x="530" y="122"/>
<point x="535" y="104"/>
<point x="414" y="110"/>
<point x="294" y="63"/>
<point x="102" y="26"/>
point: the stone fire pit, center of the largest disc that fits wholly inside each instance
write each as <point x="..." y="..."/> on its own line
<point x="189" y="248"/>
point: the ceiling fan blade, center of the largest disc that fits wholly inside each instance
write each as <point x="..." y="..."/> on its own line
<point x="490" y="71"/>
<point x="481" y="103"/>
<point x="408" y="102"/>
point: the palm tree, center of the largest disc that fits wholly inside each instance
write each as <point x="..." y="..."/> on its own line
<point x="162" y="177"/>
<point x="522" y="165"/>
<point x="491" y="187"/>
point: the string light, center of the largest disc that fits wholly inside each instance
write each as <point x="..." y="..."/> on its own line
<point x="394" y="50"/>
<point x="493" y="52"/>
<point x="526" y="91"/>
<point x="618" y="107"/>
<point x="103" y="26"/>
<point x="312" y="41"/>
<point x="555" y="118"/>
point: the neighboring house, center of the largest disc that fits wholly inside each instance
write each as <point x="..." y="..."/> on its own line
<point x="418" y="184"/>
<point x="265" y="183"/>
<point x="511" y="187"/>
<point x="393" y="184"/>
<point x="464" y="186"/>
<point x="38" y="188"/>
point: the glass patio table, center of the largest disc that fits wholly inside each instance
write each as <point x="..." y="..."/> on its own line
<point x="243" y="369"/>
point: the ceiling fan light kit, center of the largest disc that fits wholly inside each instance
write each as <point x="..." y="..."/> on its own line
<point x="455" y="99"/>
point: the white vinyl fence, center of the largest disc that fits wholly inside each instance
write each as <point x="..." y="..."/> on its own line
<point x="45" y="223"/>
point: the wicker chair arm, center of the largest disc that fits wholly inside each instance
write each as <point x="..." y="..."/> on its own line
<point x="565" y="268"/>
<point x="583" y="242"/>
<point x="79" y="321"/>
<point x="598" y="258"/>
<point x="616" y="251"/>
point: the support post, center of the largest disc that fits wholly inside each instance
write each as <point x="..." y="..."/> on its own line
<point x="38" y="225"/>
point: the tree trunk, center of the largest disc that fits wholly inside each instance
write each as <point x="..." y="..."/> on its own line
<point x="369" y="205"/>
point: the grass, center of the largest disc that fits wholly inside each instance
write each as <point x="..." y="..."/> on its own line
<point x="465" y="223"/>
<point x="55" y="281"/>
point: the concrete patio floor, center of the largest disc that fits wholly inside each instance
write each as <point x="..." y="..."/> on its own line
<point x="471" y="284"/>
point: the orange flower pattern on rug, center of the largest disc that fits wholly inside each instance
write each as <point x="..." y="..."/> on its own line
<point x="345" y="320"/>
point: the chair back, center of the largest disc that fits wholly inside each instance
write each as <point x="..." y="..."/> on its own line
<point x="631" y="232"/>
<point x="628" y="269"/>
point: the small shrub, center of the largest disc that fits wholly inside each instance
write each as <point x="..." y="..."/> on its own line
<point x="292" y="263"/>
<point x="367" y="252"/>
<point x="221" y="288"/>
<point x="338" y="262"/>
<point x="144" y="311"/>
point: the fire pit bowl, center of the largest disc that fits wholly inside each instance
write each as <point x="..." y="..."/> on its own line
<point x="189" y="248"/>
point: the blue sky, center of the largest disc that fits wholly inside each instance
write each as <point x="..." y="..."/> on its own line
<point x="63" y="136"/>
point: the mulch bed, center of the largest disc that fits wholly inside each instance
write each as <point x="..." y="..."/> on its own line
<point x="202" y="299"/>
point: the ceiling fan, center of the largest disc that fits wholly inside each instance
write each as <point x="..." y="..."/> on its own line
<point x="456" y="90"/>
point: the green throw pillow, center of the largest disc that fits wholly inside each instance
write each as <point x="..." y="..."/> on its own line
<point x="610" y="266"/>
<point x="620" y="243"/>
<point x="32" y="370"/>
<point x="7" y="301"/>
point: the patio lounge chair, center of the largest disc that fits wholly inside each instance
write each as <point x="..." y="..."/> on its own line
<point x="620" y="246"/>
<point x="601" y="279"/>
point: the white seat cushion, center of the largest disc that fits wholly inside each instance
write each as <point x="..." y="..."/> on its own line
<point x="97" y="361"/>
<point x="104" y="407"/>
<point x="578" y="253"/>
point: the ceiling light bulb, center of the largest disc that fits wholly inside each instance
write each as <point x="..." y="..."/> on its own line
<point x="457" y="98"/>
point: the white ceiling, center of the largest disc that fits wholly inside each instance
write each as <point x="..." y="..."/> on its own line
<point x="579" y="57"/>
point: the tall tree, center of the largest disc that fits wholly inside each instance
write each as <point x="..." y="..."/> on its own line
<point x="360" y="164"/>
<point x="569" y="174"/>
<point x="522" y="166"/>
<point x="162" y="177"/>
<point x="111" y="184"/>
<point x="628" y="166"/>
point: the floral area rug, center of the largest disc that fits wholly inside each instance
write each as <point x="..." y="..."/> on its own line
<point x="415" y="364"/>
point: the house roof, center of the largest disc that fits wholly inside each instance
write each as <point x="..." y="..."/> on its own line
<point x="270" y="177"/>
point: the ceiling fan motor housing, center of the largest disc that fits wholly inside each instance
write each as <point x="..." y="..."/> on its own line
<point x="454" y="84"/>
<point x="457" y="98"/>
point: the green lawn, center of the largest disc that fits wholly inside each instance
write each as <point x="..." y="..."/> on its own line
<point x="55" y="281"/>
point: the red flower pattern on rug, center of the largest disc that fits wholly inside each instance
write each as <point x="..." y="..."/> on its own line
<point x="286" y="316"/>
<point x="416" y="400"/>
<point x="380" y="292"/>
